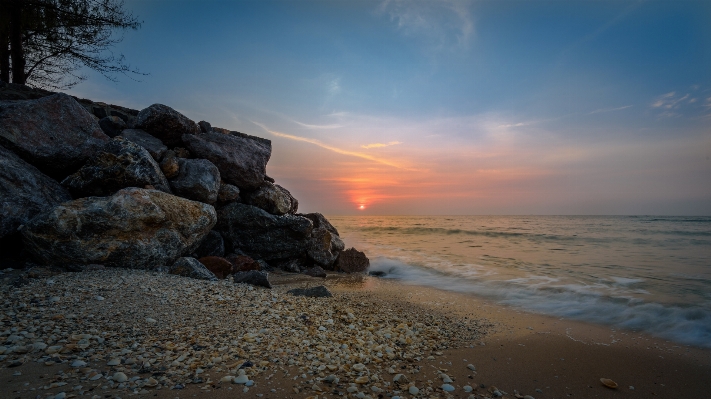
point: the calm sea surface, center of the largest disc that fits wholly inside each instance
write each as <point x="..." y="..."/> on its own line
<point x="645" y="273"/>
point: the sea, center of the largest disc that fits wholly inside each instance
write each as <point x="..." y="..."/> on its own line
<point x="644" y="273"/>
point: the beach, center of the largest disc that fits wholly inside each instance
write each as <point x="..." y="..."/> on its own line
<point x="170" y="336"/>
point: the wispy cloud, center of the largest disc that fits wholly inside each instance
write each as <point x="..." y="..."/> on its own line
<point x="309" y="126"/>
<point x="442" y="24"/>
<point x="331" y="148"/>
<point x="669" y="100"/>
<point x="379" y="145"/>
<point x="598" y="111"/>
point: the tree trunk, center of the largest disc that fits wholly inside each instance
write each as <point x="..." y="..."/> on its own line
<point x="18" y="56"/>
<point x="4" y="43"/>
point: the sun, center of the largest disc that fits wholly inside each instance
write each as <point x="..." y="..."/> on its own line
<point x="361" y="207"/>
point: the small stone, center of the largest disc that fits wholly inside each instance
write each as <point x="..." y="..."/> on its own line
<point x="313" y="292"/>
<point x="78" y="363"/>
<point x="471" y="367"/>
<point x="114" y="362"/>
<point x="241" y="379"/>
<point x="447" y="388"/>
<point x="151" y="320"/>
<point x="446" y="379"/>
<point x="413" y="390"/>
<point x="467" y="388"/>
<point x="362" y="379"/>
<point x="120" y="377"/>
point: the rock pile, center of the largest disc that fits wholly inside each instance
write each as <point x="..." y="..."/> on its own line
<point x="149" y="190"/>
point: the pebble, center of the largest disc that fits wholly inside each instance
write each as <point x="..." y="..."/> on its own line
<point x="78" y="363"/>
<point x="471" y="367"/>
<point x="241" y="379"/>
<point x="114" y="362"/>
<point x="361" y="380"/>
<point x="447" y="388"/>
<point x="120" y="377"/>
<point x="413" y="390"/>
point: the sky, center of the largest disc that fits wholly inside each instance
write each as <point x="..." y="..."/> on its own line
<point x="444" y="107"/>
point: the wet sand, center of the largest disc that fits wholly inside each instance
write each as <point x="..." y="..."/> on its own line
<point x="520" y="354"/>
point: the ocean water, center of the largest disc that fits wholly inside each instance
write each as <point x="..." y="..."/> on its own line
<point x="644" y="273"/>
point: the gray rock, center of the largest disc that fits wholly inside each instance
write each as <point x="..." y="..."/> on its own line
<point x="273" y="198"/>
<point x="54" y="133"/>
<point x="205" y="126"/>
<point x="262" y="235"/>
<point x="211" y="245"/>
<point x="24" y="192"/>
<point x="228" y="193"/>
<point x="352" y="261"/>
<point x="154" y="146"/>
<point x="169" y="165"/>
<point x="134" y="228"/>
<point x="324" y="244"/>
<point x="253" y="277"/>
<point x="112" y="125"/>
<point x="241" y="161"/>
<point x="197" y="179"/>
<point x="166" y="124"/>
<point x="313" y="292"/>
<point x="316" y="271"/>
<point x="191" y="267"/>
<point x="119" y="164"/>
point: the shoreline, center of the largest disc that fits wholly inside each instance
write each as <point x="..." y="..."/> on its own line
<point x="521" y="352"/>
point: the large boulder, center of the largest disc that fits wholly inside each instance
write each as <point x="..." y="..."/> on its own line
<point x="221" y="267"/>
<point x="119" y="164"/>
<point x="324" y="243"/>
<point x="197" y="179"/>
<point x="154" y="146"/>
<point x="242" y="161"/>
<point x="191" y="267"/>
<point x="112" y="125"/>
<point x="352" y="261"/>
<point x="24" y="192"/>
<point x="134" y="228"/>
<point x="165" y="123"/>
<point x="273" y="198"/>
<point x="262" y="235"/>
<point x="55" y="133"/>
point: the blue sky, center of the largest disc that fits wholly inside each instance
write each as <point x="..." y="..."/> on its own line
<point x="445" y="107"/>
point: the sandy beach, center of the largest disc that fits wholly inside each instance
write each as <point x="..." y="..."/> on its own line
<point x="122" y="333"/>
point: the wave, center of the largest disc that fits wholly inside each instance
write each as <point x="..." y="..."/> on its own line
<point x="683" y="324"/>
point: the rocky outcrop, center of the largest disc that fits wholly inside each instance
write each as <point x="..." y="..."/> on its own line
<point x="24" y="192"/>
<point x="221" y="267"/>
<point x="273" y="198"/>
<point x="154" y="146"/>
<point x="253" y="277"/>
<point x="197" y="179"/>
<point x="191" y="267"/>
<point x="112" y="125"/>
<point x="324" y="244"/>
<point x="241" y="161"/>
<point x="211" y="245"/>
<point x="166" y="124"/>
<point x="119" y="164"/>
<point x="352" y="261"/>
<point x="55" y="133"/>
<point x="262" y="235"/>
<point x="134" y="228"/>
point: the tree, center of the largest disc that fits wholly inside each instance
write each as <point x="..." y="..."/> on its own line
<point x="45" y="43"/>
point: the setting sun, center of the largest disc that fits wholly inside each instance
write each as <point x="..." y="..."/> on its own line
<point x="361" y="207"/>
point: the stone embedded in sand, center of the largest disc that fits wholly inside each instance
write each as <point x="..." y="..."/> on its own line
<point x="241" y="379"/>
<point x="191" y="267"/>
<point x="471" y="367"/>
<point x="447" y="388"/>
<point x="54" y="133"/>
<point x="352" y="261"/>
<point x="413" y="390"/>
<point x="114" y="362"/>
<point x="139" y="229"/>
<point x="253" y="277"/>
<point x="220" y="267"/>
<point x="362" y="379"/>
<point x="317" y="292"/>
<point x="166" y="124"/>
<point x="120" y="377"/>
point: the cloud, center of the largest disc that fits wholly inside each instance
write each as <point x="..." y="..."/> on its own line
<point x="306" y="125"/>
<point x="331" y="148"/>
<point x="440" y="24"/>
<point x="597" y="111"/>
<point x="669" y="101"/>
<point x="379" y="145"/>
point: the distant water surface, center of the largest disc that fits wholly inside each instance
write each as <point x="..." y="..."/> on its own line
<point x="644" y="273"/>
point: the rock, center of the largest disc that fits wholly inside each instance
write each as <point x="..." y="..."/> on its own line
<point x="315" y="271"/>
<point x="228" y="193"/>
<point x="221" y="267"/>
<point x="119" y="164"/>
<point x="191" y="267"/>
<point x="169" y="165"/>
<point x="55" y="133"/>
<point x="181" y="152"/>
<point x="352" y="261"/>
<point x="262" y="235"/>
<point x="211" y="245"/>
<point x="273" y="198"/>
<point x="112" y="125"/>
<point x="241" y="161"/>
<point x="154" y="146"/>
<point x="294" y="265"/>
<point x="243" y="263"/>
<point x="24" y="192"/>
<point x="197" y="179"/>
<point x="313" y="292"/>
<point x="324" y="244"/>
<point x="253" y="277"/>
<point x="134" y="228"/>
<point x="166" y="124"/>
<point x="205" y="126"/>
